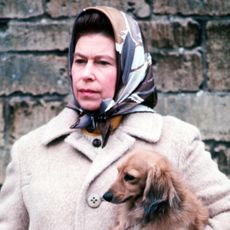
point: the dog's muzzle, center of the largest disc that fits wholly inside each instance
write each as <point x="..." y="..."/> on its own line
<point x="108" y="196"/>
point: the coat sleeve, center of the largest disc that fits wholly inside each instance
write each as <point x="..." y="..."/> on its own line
<point x="212" y="186"/>
<point x="13" y="214"/>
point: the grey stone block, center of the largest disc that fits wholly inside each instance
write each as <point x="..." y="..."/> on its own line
<point x="33" y="74"/>
<point x="42" y="35"/>
<point x="221" y="154"/>
<point x="59" y="8"/>
<point x="1" y="124"/>
<point x="29" y="114"/>
<point x="171" y="34"/>
<point x="218" y="53"/>
<point x="4" y="160"/>
<point x="208" y="111"/>
<point x="178" y="72"/>
<point x="187" y="7"/>
<point x="21" y="9"/>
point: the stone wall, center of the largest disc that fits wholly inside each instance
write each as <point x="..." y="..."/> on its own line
<point x="189" y="42"/>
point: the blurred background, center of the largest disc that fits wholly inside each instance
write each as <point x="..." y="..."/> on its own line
<point x="189" y="41"/>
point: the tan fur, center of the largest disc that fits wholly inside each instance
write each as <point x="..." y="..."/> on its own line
<point x="152" y="196"/>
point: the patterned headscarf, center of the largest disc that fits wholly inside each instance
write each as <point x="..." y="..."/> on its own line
<point x="136" y="77"/>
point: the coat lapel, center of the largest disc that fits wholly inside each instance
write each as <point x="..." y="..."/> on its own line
<point x="117" y="146"/>
<point x="101" y="158"/>
<point x="59" y="126"/>
<point x="133" y="127"/>
<point x="143" y="126"/>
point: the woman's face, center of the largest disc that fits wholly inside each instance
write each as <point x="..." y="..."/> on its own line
<point x="94" y="70"/>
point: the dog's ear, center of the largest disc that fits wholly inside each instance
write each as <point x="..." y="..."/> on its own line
<point x="155" y="185"/>
<point x="159" y="193"/>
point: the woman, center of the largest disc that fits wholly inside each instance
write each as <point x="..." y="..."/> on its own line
<point x="59" y="172"/>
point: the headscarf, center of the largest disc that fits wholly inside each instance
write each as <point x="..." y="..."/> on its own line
<point x="135" y="76"/>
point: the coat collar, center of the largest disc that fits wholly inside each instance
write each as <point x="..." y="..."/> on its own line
<point x="59" y="126"/>
<point x="145" y="126"/>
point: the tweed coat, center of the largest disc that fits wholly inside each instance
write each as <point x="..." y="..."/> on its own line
<point x="55" y="169"/>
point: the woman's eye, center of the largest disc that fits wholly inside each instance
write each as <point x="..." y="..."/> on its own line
<point x="80" y="61"/>
<point x="128" y="177"/>
<point x="103" y="62"/>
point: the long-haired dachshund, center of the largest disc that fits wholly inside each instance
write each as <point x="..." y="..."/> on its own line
<point x="152" y="196"/>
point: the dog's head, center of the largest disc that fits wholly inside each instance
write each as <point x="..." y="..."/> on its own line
<point x="147" y="178"/>
<point x="130" y="182"/>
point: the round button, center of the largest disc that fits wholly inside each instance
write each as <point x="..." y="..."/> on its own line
<point x="94" y="200"/>
<point x="96" y="142"/>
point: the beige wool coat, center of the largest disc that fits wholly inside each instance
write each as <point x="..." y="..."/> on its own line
<point x="56" y="174"/>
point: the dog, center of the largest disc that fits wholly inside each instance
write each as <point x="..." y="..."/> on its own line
<point x="152" y="196"/>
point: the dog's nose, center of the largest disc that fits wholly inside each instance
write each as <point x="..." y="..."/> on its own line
<point x="108" y="196"/>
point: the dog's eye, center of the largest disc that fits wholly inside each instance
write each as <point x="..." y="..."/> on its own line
<point x="128" y="177"/>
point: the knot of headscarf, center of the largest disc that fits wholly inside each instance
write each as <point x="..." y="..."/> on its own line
<point x="92" y="120"/>
<point x="137" y="81"/>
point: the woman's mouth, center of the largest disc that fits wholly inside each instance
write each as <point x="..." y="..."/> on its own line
<point x="88" y="92"/>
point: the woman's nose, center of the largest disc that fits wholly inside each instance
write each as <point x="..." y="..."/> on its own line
<point x="88" y="72"/>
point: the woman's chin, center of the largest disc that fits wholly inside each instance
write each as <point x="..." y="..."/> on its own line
<point x="90" y="106"/>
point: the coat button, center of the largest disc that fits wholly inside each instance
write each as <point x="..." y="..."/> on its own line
<point x="94" y="200"/>
<point x="96" y="142"/>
